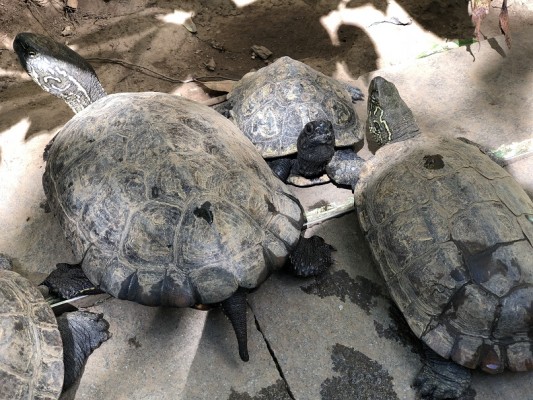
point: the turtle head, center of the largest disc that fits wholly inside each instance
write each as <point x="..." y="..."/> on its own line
<point x="316" y="133"/>
<point x="389" y="118"/>
<point x="315" y="146"/>
<point x="58" y="70"/>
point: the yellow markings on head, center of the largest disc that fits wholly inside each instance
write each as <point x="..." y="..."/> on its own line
<point x="378" y="112"/>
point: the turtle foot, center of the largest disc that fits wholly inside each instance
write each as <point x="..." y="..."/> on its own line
<point x="443" y="379"/>
<point x="81" y="333"/>
<point x="235" y="310"/>
<point x="311" y="257"/>
<point x="68" y="281"/>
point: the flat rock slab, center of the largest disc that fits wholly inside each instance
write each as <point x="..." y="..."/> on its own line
<point x="164" y="353"/>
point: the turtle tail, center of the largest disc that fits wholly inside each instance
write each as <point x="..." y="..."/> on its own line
<point x="235" y="309"/>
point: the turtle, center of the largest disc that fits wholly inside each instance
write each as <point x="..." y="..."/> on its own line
<point x="41" y="357"/>
<point x="452" y="235"/>
<point x="295" y="116"/>
<point x="164" y="201"/>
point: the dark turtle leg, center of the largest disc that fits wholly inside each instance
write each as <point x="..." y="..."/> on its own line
<point x="345" y="167"/>
<point x="223" y="108"/>
<point x="68" y="281"/>
<point x="235" y="310"/>
<point x="81" y="333"/>
<point x="311" y="257"/>
<point x="355" y="93"/>
<point x="440" y="378"/>
<point x="281" y="167"/>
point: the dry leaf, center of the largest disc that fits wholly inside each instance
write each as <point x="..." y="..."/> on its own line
<point x="504" y="24"/>
<point x="480" y="9"/>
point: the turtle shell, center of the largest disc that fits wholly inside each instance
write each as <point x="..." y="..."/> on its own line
<point x="167" y="202"/>
<point x="271" y="106"/>
<point x="31" y="351"/>
<point x="452" y="233"/>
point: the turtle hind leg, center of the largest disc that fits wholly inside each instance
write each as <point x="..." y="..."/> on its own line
<point x="235" y="309"/>
<point x="68" y="281"/>
<point x="440" y="378"/>
<point x="311" y="257"/>
<point x="81" y="332"/>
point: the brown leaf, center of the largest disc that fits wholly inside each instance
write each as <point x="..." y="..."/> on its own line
<point x="480" y="9"/>
<point x="504" y="24"/>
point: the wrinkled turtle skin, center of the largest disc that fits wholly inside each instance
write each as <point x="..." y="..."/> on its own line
<point x="180" y="214"/>
<point x="452" y="233"/>
<point x="31" y="351"/>
<point x="272" y="105"/>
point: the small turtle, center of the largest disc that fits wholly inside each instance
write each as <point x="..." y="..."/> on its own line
<point x="164" y="201"/>
<point x="452" y="234"/>
<point x="41" y="357"/>
<point x="288" y="108"/>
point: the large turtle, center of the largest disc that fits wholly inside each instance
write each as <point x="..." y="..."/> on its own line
<point x="41" y="357"/>
<point x="164" y="201"/>
<point x="452" y="233"/>
<point x="288" y="108"/>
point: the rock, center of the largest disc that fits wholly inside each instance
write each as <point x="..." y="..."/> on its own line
<point x="190" y="25"/>
<point x="211" y="65"/>
<point x="72" y="5"/>
<point x="217" y="46"/>
<point x="261" y="51"/>
<point x="67" y="31"/>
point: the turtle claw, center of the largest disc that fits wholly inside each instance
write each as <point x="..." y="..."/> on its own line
<point x="441" y="379"/>
<point x="235" y="310"/>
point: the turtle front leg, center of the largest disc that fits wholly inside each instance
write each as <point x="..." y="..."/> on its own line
<point x="440" y="378"/>
<point x="345" y="167"/>
<point x="81" y="333"/>
<point x="281" y="167"/>
<point x="311" y="257"/>
<point x="68" y="281"/>
<point x="235" y="309"/>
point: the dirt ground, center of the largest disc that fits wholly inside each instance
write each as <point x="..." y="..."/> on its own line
<point x="346" y="38"/>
